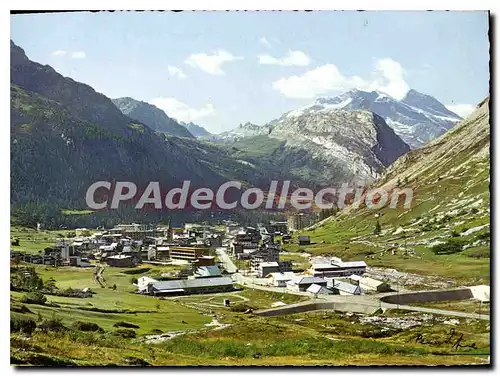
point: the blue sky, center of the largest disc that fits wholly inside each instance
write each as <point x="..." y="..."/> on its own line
<point x="219" y="69"/>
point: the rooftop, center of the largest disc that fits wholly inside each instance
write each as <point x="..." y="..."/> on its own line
<point x="370" y="282"/>
<point x="119" y="257"/>
<point x="207" y="271"/>
<point x="302" y="280"/>
<point x="318" y="289"/>
<point x="286" y="276"/>
<point x="181" y="284"/>
<point x="269" y="264"/>
<point x="346" y="287"/>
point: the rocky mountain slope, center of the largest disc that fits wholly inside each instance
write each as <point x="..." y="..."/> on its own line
<point x="151" y="115"/>
<point x="446" y="231"/>
<point x="357" y="142"/>
<point x="66" y="136"/>
<point x="241" y="131"/>
<point x="195" y="129"/>
<point x="417" y="118"/>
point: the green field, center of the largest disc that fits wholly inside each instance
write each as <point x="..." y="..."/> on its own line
<point x="244" y="339"/>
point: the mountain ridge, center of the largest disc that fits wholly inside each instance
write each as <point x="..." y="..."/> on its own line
<point x="195" y="129"/>
<point x="417" y="118"/>
<point x="150" y="115"/>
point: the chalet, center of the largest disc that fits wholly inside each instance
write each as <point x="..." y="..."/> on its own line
<point x="318" y="289"/>
<point x="143" y="282"/>
<point x="280" y="279"/>
<point x="121" y="261"/>
<point x="276" y="227"/>
<point x="370" y="284"/>
<point x="302" y="283"/>
<point x="344" y="288"/>
<point x="304" y="240"/>
<point x="266" y="268"/>
<point x="205" y="261"/>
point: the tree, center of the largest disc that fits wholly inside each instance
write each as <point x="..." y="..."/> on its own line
<point x="378" y="228"/>
<point x="50" y="284"/>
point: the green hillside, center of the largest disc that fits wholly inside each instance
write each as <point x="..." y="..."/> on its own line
<point x="446" y="231"/>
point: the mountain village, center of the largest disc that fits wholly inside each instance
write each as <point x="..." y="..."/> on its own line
<point x="354" y="284"/>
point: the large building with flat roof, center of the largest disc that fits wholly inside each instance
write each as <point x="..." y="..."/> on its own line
<point x="338" y="269"/>
<point x="191" y="286"/>
<point x="177" y="252"/>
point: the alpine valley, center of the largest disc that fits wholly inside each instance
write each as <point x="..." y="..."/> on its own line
<point x="65" y="136"/>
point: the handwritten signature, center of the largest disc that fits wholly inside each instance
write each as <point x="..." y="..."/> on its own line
<point x="455" y="339"/>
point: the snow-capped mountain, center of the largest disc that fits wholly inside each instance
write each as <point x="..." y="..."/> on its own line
<point x="243" y="130"/>
<point x="417" y="118"/>
<point x="356" y="145"/>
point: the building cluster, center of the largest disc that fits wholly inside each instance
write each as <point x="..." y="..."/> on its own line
<point x="257" y="246"/>
<point x="127" y="245"/>
<point x="189" y="244"/>
<point x="337" y="277"/>
<point x="299" y="221"/>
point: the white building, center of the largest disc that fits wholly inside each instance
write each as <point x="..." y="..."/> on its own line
<point x="280" y="279"/>
<point x="344" y="288"/>
<point x="317" y="290"/>
<point x="371" y="284"/>
<point x="302" y="283"/>
<point x="337" y="269"/>
<point x="143" y="282"/>
<point x="481" y="293"/>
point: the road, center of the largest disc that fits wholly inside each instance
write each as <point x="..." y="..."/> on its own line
<point x="226" y="260"/>
<point x="367" y="300"/>
<point x="436" y="311"/>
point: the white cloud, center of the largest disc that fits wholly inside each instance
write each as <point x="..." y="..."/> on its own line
<point x="176" y="72"/>
<point x="388" y="77"/>
<point x="291" y="59"/>
<point x="181" y="111"/>
<point x="463" y="110"/>
<point x="265" y="42"/>
<point x="315" y="82"/>
<point x="211" y="63"/>
<point x="78" y="55"/>
<point x="59" y="53"/>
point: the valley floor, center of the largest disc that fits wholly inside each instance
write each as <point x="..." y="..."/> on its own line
<point x="199" y="330"/>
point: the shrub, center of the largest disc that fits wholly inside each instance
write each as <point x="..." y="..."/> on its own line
<point x="86" y="326"/>
<point x="450" y="247"/>
<point x="34" y="298"/>
<point x="20" y="309"/>
<point x="137" y="271"/>
<point x="125" y="333"/>
<point x="72" y="293"/>
<point x="23" y="325"/>
<point x="480" y="253"/>
<point x="133" y="361"/>
<point x="484" y="236"/>
<point x="53" y="324"/>
<point x="241" y="307"/>
<point x="427" y="227"/>
<point x="124" y="324"/>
